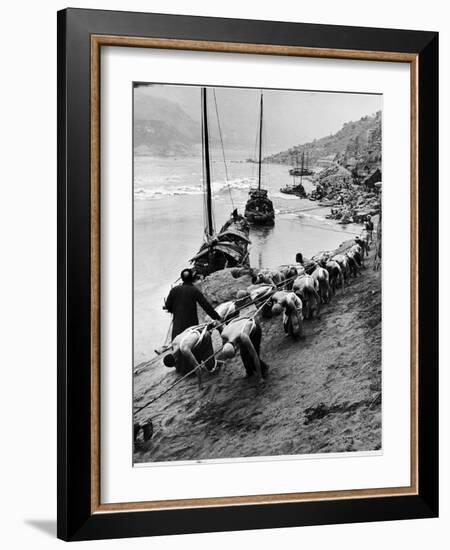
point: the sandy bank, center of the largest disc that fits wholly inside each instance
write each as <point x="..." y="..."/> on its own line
<point x="323" y="393"/>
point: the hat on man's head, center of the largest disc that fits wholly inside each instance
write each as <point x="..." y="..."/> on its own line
<point x="187" y="275"/>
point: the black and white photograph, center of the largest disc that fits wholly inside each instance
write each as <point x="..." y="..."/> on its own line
<point x="223" y="281"/>
<point x="257" y="273"/>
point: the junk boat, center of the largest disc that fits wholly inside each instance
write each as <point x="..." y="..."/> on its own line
<point x="229" y="246"/>
<point x="302" y="170"/>
<point x="296" y="188"/>
<point x="259" y="208"/>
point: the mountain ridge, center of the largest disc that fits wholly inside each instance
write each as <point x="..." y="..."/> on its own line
<point x="356" y="146"/>
<point x="163" y="128"/>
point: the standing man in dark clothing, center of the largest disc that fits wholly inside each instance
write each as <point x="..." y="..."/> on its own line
<point x="368" y="226"/>
<point x="182" y="303"/>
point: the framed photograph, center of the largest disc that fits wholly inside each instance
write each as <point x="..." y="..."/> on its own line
<point x="247" y="255"/>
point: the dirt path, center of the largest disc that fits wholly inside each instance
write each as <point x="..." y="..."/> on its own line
<point x="323" y="393"/>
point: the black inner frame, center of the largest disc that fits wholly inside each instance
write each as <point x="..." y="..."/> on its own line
<point x="75" y="521"/>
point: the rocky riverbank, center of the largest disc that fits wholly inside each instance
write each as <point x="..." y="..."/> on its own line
<point x="350" y="202"/>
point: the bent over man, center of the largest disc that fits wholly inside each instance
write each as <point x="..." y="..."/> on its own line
<point x="292" y="306"/>
<point x="182" y="303"/>
<point x="244" y="334"/>
<point x="190" y="348"/>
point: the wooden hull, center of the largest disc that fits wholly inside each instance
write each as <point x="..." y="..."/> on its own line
<point x="293" y="191"/>
<point x="300" y="172"/>
<point x="228" y="249"/>
<point x="257" y="218"/>
<point x="259" y="208"/>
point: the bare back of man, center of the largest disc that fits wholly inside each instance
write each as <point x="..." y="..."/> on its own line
<point x="244" y="334"/>
<point x="292" y="308"/>
<point x="190" y="349"/>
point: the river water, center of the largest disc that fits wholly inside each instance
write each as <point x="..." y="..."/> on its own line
<point x="168" y="229"/>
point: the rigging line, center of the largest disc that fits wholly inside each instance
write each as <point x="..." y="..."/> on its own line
<point x="294" y="220"/>
<point x="239" y="309"/>
<point x="254" y="152"/>
<point x="262" y="305"/>
<point x="203" y="174"/>
<point x="260" y="140"/>
<point x="244" y="306"/>
<point x="209" y="196"/>
<point x="169" y="330"/>
<point x="223" y="149"/>
<point x="204" y="183"/>
<point x="209" y="192"/>
<point x="299" y="210"/>
<point x="199" y="366"/>
<point x="264" y="165"/>
<point x="254" y="302"/>
<point x="150" y="362"/>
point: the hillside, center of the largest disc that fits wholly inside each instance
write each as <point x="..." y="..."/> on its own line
<point x="163" y="128"/>
<point x="356" y="146"/>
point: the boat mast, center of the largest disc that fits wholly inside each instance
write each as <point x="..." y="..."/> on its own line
<point x="209" y="220"/>
<point x="260" y="142"/>
<point x="302" y="167"/>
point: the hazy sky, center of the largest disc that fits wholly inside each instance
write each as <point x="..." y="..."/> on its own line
<point x="290" y="117"/>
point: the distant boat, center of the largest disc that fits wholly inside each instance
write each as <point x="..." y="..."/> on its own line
<point x="259" y="208"/>
<point x="299" y="172"/>
<point x="296" y="188"/>
<point x="302" y="170"/>
<point x="228" y="247"/>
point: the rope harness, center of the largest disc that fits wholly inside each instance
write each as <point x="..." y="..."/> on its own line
<point x="238" y="309"/>
<point x="203" y="326"/>
<point x="198" y="367"/>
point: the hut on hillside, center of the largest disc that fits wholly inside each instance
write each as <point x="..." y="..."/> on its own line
<point x="369" y="181"/>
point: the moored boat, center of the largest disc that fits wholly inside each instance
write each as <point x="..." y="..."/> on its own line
<point x="259" y="208"/>
<point x="302" y="170"/>
<point x="229" y="246"/>
<point x="297" y="187"/>
<point x="297" y="190"/>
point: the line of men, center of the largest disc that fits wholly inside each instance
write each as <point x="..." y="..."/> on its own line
<point x="296" y="291"/>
